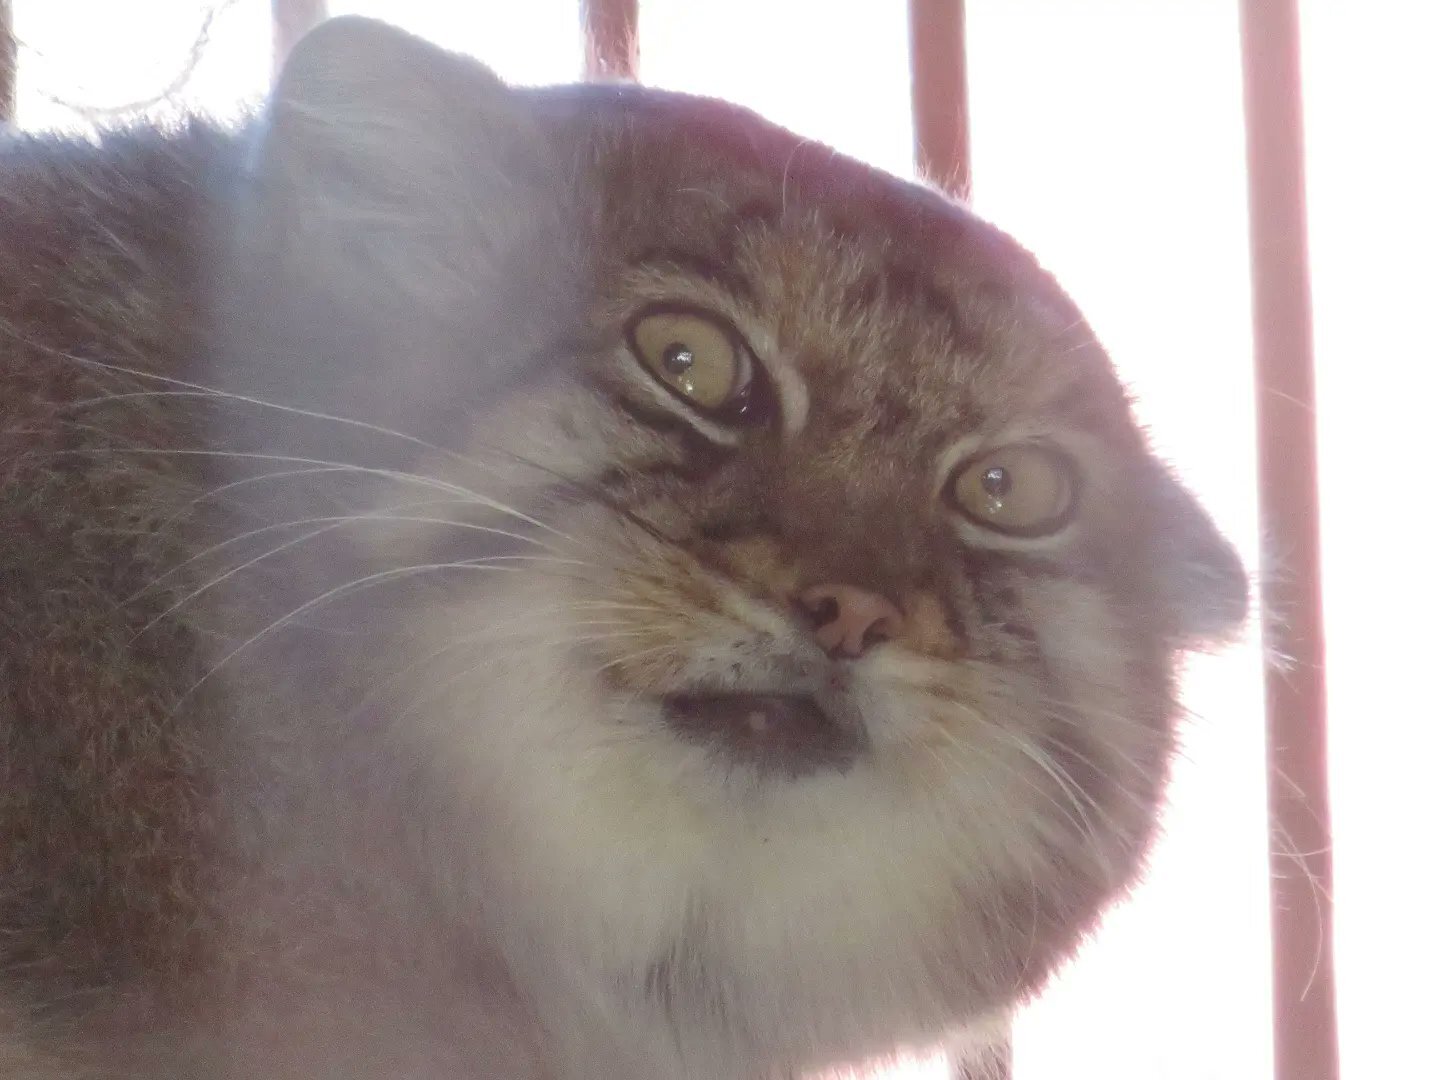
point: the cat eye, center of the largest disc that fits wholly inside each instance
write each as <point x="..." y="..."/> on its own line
<point x="700" y="358"/>
<point x="1024" y="489"/>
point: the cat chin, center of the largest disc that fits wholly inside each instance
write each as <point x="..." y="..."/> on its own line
<point x="649" y="896"/>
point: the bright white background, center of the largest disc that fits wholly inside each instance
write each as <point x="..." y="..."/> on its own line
<point x="1107" y="136"/>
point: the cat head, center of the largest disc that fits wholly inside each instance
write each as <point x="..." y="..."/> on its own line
<point x="803" y="683"/>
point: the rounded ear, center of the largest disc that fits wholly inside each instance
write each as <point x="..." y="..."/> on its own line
<point x="387" y="166"/>
<point x="1204" y="583"/>
<point x="401" y="239"/>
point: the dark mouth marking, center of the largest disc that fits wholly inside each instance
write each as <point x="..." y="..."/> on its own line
<point x="785" y="734"/>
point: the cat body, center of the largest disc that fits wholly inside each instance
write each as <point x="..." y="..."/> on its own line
<point x="560" y="583"/>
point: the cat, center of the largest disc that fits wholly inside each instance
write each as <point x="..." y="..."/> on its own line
<point x="567" y="582"/>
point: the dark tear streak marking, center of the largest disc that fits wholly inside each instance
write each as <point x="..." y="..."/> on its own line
<point x="620" y="476"/>
<point x="657" y="419"/>
<point x="704" y="453"/>
<point x="955" y="620"/>
<point x="740" y="525"/>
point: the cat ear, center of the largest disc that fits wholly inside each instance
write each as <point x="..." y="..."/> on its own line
<point x="392" y="170"/>
<point x="1199" y="574"/>
<point x="401" y="241"/>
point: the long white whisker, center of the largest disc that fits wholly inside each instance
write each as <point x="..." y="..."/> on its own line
<point x="1066" y="785"/>
<point x="666" y="647"/>
<point x="1291" y="850"/>
<point x="191" y="389"/>
<point x="468" y="496"/>
<point x="1119" y="787"/>
<point x="488" y="636"/>
<point x="437" y="689"/>
<point x="329" y="595"/>
<point x="611" y="605"/>
<point x="281" y="474"/>
<point x="215" y="581"/>
<point x="329" y="523"/>
<point x="194" y="389"/>
<point x="335" y="524"/>
<point x="999" y="763"/>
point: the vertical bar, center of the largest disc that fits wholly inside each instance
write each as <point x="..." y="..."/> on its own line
<point x="291" y="20"/>
<point x="1306" y="1046"/>
<point x="9" y="58"/>
<point x="612" y="38"/>
<point x="938" y="93"/>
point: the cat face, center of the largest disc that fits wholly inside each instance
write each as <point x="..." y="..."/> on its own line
<point x="824" y="694"/>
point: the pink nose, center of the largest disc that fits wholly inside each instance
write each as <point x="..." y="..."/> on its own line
<point x="849" y="619"/>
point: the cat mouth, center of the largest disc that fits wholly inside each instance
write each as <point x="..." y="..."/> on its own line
<point x="789" y="735"/>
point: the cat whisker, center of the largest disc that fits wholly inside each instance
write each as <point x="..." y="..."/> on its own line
<point x="435" y="689"/>
<point x="220" y="579"/>
<point x="800" y="145"/>
<point x="281" y="474"/>
<point x="1317" y="890"/>
<point x="991" y="904"/>
<point x="590" y="639"/>
<point x="198" y="390"/>
<point x="1284" y="843"/>
<point x="613" y="606"/>
<point x="1120" y="788"/>
<point x="664" y="648"/>
<point x="432" y="690"/>
<point x="348" y="588"/>
<point x="327" y="524"/>
<point x="455" y="643"/>
<point x="1071" y="790"/>
<point x="190" y="389"/>
<point x="249" y="455"/>
<point x="998" y="763"/>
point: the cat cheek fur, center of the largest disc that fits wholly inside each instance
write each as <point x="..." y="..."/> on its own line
<point x="911" y="888"/>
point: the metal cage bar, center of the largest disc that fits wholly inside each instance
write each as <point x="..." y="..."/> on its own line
<point x="1306" y="1046"/>
<point x="291" y="20"/>
<point x="9" y="54"/>
<point x="938" y="96"/>
<point x="612" y="38"/>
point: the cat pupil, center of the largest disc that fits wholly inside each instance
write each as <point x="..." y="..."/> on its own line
<point x="996" y="481"/>
<point x="678" y="358"/>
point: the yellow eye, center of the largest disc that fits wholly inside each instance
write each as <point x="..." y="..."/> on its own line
<point x="697" y="356"/>
<point x="1025" y="489"/>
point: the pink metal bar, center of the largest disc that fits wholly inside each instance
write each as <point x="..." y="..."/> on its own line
<point x="612" y="38"/>
<point x="1304" y="991"/>
<point x="9" y="55"/>
<point x="292" y="20"/>
<point x="938" y="93"/>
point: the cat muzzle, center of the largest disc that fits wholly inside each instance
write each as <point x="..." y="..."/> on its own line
<point x="790" y="735"/>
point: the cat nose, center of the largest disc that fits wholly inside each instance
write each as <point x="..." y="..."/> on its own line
<point x="848" y="619"/>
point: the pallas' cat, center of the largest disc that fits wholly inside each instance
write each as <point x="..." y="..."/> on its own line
<point x="567" y="583"/>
